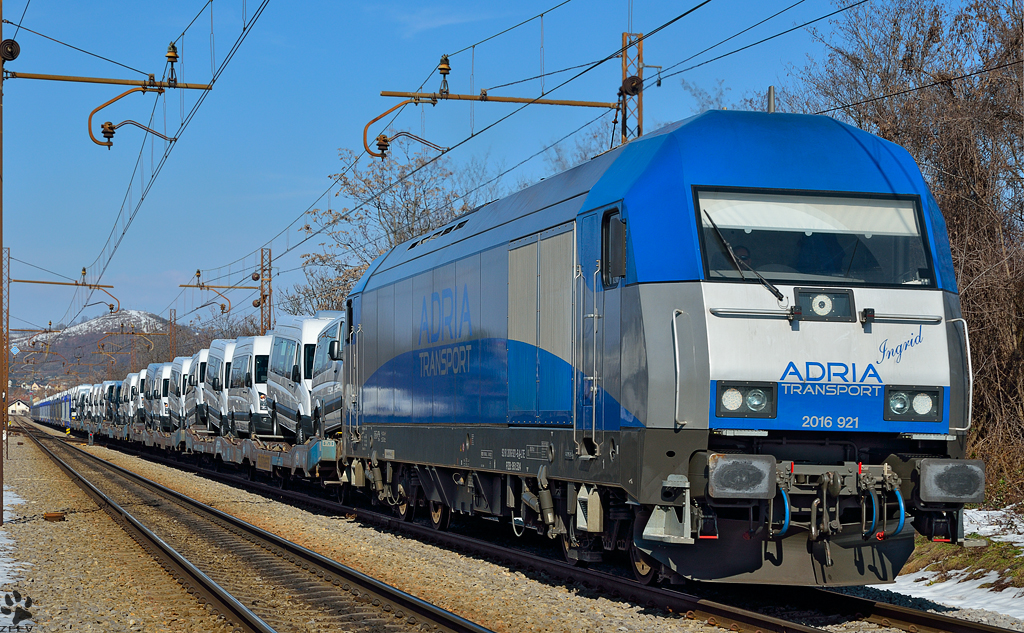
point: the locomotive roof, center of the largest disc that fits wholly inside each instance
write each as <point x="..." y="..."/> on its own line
<point x="654" y="177"/>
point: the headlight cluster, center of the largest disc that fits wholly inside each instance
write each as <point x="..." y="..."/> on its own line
<point x="921" y="404"/>
<point x="263" y="401"/>
<point x="746" y="400"/>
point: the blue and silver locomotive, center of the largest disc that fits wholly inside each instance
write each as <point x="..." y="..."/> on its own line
<point x="731" y="349"/>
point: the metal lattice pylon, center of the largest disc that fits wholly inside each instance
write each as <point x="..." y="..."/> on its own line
<point x="632" y="105"/>
<point x="172" y="343"/>
<point x="266" y="293"/>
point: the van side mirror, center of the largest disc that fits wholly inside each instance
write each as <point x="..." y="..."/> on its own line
<point x="192" y="380"/>
<point x="334" y="350"/>
<point x="216" y="384"/>
<point x="296" y="375"/>
<point x="248" y="379"/>
<point x="135" y="392"/>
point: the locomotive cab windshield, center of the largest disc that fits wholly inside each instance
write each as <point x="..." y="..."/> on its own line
<point x="813" y="238"/>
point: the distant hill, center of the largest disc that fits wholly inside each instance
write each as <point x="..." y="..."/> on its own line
<point x="78" y="344"/>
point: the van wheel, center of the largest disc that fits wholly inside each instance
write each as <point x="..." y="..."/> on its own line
<point x="274" y="428"/>
<point x="318" y="427"/>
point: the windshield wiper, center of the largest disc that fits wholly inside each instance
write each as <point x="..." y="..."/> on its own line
<point x="736" y="262"/>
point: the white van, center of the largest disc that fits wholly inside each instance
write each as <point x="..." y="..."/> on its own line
<point x="327" y="378"/>
<point x="218" y="369"/>
<point x="108" y="400"/>
<point x="290" y="379"/>
<point x="157" y="404"/>
<point x="129" y="397"/>
<point x="80" y="403"/>
<point x="123" y="401"/>
<point x="176" y="393"/>
<point x="139" y="395"/>
<point x="95" y="400"/>
<point x="195" y="404"/>
<point x="247" y="386"/>
<point x="152" y="381"/>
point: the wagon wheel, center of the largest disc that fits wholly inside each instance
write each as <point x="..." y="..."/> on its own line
<point x="440" y="516"/>
<point x="406" y="509"/>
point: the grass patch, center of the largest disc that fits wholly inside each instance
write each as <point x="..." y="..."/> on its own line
<point x="1002" y="558"/>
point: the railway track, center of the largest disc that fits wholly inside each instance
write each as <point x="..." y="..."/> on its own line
<point x="256" y="580"/>
<point x="713" y="612"/>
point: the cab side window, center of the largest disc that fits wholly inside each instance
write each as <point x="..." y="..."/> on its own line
<point x="613" y="248"/>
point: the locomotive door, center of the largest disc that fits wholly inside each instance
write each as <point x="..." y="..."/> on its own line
<point x="350" y="410"/>
<point x="597" y="325"/>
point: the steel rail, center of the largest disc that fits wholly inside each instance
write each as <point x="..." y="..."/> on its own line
<point x="692" y="607"/>
<point x="223" y="602"/>
<point x="387" y="594"/>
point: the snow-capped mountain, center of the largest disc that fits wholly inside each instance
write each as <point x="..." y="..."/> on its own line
<point x="143" y="322"/>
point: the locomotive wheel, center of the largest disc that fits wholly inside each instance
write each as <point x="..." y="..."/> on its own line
<point x="645" y="570"/>
<point x="440" y="516"/>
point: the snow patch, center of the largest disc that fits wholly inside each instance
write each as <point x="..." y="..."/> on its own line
<point x="9" y="568"/>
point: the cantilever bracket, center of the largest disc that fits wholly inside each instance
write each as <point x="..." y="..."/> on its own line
<point x="109" y="128"/>
<point x="384" y="141"/>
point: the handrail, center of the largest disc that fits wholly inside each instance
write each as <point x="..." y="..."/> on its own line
<point x="926" y="318"/>
<point x="675" y="352"/>
<point x="970" y="378"/>
<point x="728" y="312"/>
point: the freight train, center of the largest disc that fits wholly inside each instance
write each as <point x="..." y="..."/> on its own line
<point x="730" y="350"/>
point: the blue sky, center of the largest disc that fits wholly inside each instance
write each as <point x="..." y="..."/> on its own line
<point x="261" y="147"/>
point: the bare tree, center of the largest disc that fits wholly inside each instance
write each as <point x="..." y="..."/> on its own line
<point x="940" y="80"/>
<point x="392" y="201"/>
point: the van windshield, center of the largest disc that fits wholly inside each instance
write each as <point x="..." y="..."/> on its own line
<point x="260" y="365"/>
<point x="814" y="239"/>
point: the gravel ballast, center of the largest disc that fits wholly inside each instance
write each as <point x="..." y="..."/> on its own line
<point x="85" y="573"/>
<point x="488" y="594"/>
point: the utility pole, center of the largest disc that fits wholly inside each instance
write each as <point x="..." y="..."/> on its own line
<point x="4" y="341"/>
<point x="9" y="50"/>
<point x="632" y="93"/>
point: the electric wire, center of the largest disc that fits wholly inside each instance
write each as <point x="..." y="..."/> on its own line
<point x="21" y="261"/>
<point x="733" y="36"/>
<point x="21" y="19"/>
<point x="504" y="118"/>
<point x="772" y="37"/>
<point x="511" y="28"/>
<point x="389" y="124"/>
<point x="547" y="74"/>
<point x="916" y="88"/>
<point x="80" y="50"/>
<point x="167" y="152"/>
<point x="347" y="215"/>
